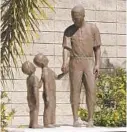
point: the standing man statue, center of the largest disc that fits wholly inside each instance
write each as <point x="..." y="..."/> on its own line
<point x="81" y="45"/>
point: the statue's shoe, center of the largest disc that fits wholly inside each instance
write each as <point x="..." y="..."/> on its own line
<point x="85" y="123"/>
<point x="49" y="126"/>
<point x="82" y="122"/>
<point x="77" y="124"/>
<point x="56" y="125"/>
<point x="90" y="124"/>
<point x="34" y="126"/>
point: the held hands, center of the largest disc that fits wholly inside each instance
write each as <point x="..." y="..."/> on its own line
<point x="60" y="76"/>
<point x="96" y="71"/>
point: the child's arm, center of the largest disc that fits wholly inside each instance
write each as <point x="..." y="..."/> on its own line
<point x="57" y="77"/>
<point x="45" y="81"/>
<point x="61" y="75"/>
<point x="37" y="82"/>
<point x="35" y="89"/>
<point x="40" y="84"/>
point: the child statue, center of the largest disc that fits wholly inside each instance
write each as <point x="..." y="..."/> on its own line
<point x="33" y="85"/>
<point x="49" y="92"/>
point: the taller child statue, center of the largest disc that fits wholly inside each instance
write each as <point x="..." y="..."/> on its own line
<point x="81" y="45"/>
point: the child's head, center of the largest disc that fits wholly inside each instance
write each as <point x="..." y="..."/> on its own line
<point x="28" y="68"/>
<point x="41" y="60"/>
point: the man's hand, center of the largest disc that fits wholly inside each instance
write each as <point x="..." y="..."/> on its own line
<point x="96" y="71"/>
<point x="64" y="68"/>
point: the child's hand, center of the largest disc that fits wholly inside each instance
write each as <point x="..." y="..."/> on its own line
<point x="60" y="75"/>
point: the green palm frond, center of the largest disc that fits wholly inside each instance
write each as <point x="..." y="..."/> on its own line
<point x="18" y="17"/>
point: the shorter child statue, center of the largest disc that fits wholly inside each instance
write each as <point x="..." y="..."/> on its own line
<point x="33" y="85"/>
<point x="49" y="90"/>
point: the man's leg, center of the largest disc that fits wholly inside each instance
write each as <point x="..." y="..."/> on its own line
<point x="89" y="82"/>
<point x="75" y="90"/>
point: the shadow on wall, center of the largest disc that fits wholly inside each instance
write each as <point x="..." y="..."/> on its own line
<point x="105" y="63"/>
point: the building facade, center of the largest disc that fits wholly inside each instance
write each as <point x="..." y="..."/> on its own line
<point x="110" y="18"/>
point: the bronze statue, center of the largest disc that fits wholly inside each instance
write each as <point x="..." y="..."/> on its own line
<point x="33" y="85"/>
<point x="81" y="41"/>
<point x="49" y="90"/>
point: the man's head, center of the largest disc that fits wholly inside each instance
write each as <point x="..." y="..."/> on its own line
<point x="78" y="14"/>
<point x="28" y="68"/>
<point x="41" y="60"/>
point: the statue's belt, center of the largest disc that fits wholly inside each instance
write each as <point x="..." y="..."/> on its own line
<point x="82" y="57"/>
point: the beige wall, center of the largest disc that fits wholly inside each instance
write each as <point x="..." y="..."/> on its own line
<point x="109" y="15"/>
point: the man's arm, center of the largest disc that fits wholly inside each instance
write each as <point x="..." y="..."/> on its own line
<point x="97" y="53"/>
<point x="97" y="50"/>
<point x="66" y="57"/>
<point x="66" y="52"/>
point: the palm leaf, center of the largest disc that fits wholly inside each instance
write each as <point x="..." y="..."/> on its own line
<point x="18" y="17"/>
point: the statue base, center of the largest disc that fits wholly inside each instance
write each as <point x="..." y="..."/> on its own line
<point x="68" y="129"/>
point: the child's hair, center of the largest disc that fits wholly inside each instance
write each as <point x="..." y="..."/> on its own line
<point x="28" y="68"/>
<point x="40" y="60"/>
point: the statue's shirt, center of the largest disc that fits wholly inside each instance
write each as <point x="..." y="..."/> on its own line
<point x="80" y="41"/>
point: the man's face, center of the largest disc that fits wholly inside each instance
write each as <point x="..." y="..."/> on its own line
<point x="78" y="18"/>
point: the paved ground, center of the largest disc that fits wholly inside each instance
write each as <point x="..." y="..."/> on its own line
<point x="68" y="129"/>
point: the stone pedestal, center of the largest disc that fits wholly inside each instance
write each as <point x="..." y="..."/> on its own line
<point x="68" y="129"/>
